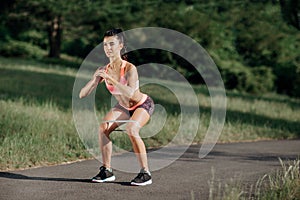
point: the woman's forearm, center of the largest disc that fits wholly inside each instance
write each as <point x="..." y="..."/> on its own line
<point x="88" y="88"/>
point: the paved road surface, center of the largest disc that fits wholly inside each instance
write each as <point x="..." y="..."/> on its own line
<point x="187" y="177"/>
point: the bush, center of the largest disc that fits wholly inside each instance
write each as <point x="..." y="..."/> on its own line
<point x="4" y="34"/>
<point x="78" y="47"/>
<point x="296" y="89"/>
<point x="258" y="44"/>
<point x="263" y="80"/>
<point x="235" y="76"/>
<point x="34" y="37"/>
<point x="253" y="80"/>
<point x="288" y="79"/>
<point x="15" y="48"/>
<point x="287" y="70"/>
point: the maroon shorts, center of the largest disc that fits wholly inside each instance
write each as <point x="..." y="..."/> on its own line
<point x="148" y="105"/>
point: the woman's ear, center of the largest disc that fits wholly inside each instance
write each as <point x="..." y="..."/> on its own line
<point x="121" y="45"/>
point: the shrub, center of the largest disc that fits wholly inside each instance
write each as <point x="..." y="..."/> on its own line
<point x="253" y="80"/>
<point x="287" y="70"/>
<point x="263" y="80"/>
<point x="15" y="48"/>
<point x="78" y="47"/>
<point x="34" y="37"/>
<point x="235" y="75"/>
<point x="4" y="33"/>
<point x="288" y="79"/>
<point x="296" y="88"/>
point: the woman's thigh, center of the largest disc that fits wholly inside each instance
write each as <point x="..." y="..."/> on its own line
<point x="141" y="117"/>
<point x="113" y="119"/>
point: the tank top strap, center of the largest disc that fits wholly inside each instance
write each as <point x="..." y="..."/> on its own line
<point x="122" y="73"/>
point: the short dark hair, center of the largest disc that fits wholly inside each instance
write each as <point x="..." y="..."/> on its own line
<point x="115" y="32"/>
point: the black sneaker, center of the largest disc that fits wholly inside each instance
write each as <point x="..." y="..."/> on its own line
<point x="104" y="175"/>
<point x="143" y="178"/>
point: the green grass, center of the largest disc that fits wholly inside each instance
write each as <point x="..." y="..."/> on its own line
<point x="284" y="184"/>
<point x="36" y="135"/>
<point x="36" y="124"/>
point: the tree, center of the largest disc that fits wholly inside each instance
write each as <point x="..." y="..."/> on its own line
<point x="45" y="15"/>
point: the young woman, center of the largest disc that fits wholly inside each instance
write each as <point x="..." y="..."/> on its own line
<point x="121" y="79"/>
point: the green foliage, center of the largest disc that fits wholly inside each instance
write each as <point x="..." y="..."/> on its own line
<point x="4" y="34"/>
<point x="236" y="76"/>
<point x="282" y="185"/>
<point x="253" y="80"/>
<point x="34" y="37"/>
<point x="290" y="11"/>
<point x="263" y="80"/>
<point x="287" y="70"/>
<point x="78" y="47"/>
<point x="184" y="19"/>
<point x="249" y="34"/>
<point x="258" y="45"/>
<point x="287" y="78"/>
<point x="285" y="184"/>
<point x="14" y="48"/>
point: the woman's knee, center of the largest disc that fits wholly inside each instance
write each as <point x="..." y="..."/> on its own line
<point x="133" y="129"/>
<point x="104" y="129"/>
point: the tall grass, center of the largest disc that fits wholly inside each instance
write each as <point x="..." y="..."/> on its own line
<point x="36" y="135"/>
<point x="36" y="124"/>
<point x="284" y="184"/>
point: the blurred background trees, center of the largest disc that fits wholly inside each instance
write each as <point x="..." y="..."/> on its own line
<point x="255" y="43"/>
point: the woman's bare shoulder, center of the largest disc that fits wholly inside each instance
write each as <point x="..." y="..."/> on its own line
<point x="129" y="66"/>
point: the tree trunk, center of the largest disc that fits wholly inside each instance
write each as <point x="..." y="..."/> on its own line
<point x="55" y="36"/>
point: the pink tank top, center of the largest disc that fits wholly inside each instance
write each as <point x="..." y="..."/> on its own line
<point x="112" y="89"/>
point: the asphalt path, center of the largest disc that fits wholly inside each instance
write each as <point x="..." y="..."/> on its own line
<point x="186" y="178"/>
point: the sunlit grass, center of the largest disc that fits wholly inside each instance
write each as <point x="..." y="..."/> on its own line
<point x="38" y="67"/>
<point x="36" y="135"/>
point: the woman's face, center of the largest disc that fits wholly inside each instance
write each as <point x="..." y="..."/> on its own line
<point x="112" y="46"/>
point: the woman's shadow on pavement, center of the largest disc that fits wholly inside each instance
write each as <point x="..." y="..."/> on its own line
<point x="10" y="175"/>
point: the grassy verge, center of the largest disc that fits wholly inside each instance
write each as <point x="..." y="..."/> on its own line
<point x="36" y="135"/>
<point x="36" y="123"/>
<point x="284" y="184"/>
